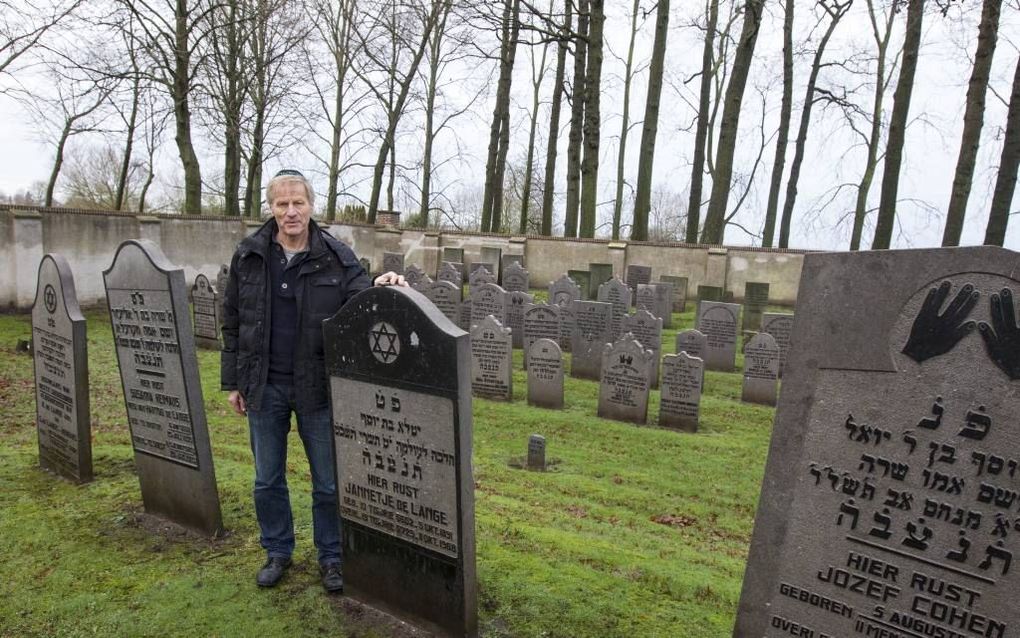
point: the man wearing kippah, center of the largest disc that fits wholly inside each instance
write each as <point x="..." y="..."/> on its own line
<point x="285" y="279"/>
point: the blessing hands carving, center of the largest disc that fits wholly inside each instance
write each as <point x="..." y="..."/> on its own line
<point x="934" y="334"/>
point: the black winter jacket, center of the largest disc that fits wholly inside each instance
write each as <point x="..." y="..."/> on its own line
<point x="329" y="276"/>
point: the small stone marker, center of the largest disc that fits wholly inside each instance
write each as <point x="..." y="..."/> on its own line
<point x="413" y="274"/>
<point x="491" y="360"/>
<point x="680" y="398"/>
<point x="718" y="321"/>
<point x="710" y="293"/>
<point x="516" y="302"/>
<point x="780" y="326"/>
<point x="889" y="498"/>
<point x="536" y="452"/>
<point x="205" y="302"/>
<point x="599" y="274"/>
<point x="221" y="285"/>
<point x="637" y="275"/>
<point x="545" y="375"/>
<point x="564" y="291"/>
<point x="540" y="321"/>
<point x="647" y="329"/>
<point x="761" y="369"/>
<point x="756" y="300"/>
<point x="479" y="276"/>
<point x="451" y="273"/>
<point x="489" y="299"/>
<point x="624" y="386"/>
<point x="692" y="341"/>
<point x="61" y="361"/>
<point x="592" y="332"/>
<point x="401" y="396"/>
<point x="617" y="293"/>
<point x="679" y="291"/>
<point x="393" y="262"/>
<point x="583" y="280"/>
<point x="515" y="277"/>
<point x="446" y="297"/>
<point x="155" y="346"/>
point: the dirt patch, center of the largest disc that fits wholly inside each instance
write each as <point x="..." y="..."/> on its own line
<point x="365" y="621"/>
<point x="674" y="520"/>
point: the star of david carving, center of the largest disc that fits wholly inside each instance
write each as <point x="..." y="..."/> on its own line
<point x="384" y="342"/>
<point x="50" y="298"/>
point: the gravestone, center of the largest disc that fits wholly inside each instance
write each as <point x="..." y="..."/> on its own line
<point x="205" y="303"/>
<point x="491" y="360"/>
<point x="710" y="293"/>
<point x="599" y="274"/>
<point x="680" y="397"/>
<point x="679" y="291"/>
<point x="889" y="497"/>
<point x="446" y="297"/>
<point x="459" y="267"/>
<point x="505" y="262"/>
<point x="545" y="374"/>
<point x="481" y="264"/>
<point x="479" y="276"/>
<point x="399" y="375"/>
<point x="647" y="329"/>
<point x="624" y="381"/>
<point x="515" y="304"/>
<point x="61" y="361"/>
<point x="567" y="321"/>
<point x="449" y="271"/>
<point x="637" y="275"/>
<point x="617" y="293"/>
<point x="780" y="326"/>
<point x="761" y="369"/>
<point x="492" y="256"/>
<point x="718" y="322"/>
<point x="515" y="277"/>
<point x="455" y="255"/>
<point x="464" y="318"/>
<point x="541" y="321"/>
<point x="564" y="291"/>
<point x="489" y="299"/>
<point x="393" y="262"/>
<point x="413" y="275"/>
<point x="657" y="299"/>
<point x="692" y="341"/>
<point x="221" y="285"/>
<point x="756" y="300"/>
<point x="155" y="346"/>
<point x="583" y="280"/>
<point x="536" y="452"/>
<point x="592" y="331"/>
<point x="365" y="263"/>
<point x="423" y="284"/>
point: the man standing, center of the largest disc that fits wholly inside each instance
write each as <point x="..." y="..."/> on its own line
<point x="285" y="279"/>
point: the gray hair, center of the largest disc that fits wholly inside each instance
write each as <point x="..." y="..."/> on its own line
<point x="289" y="175"/>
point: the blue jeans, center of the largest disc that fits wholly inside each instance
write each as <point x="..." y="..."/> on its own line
<point x="269" y="427"/>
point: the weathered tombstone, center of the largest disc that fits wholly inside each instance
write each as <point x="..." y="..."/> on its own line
<point x="205" y="303"/>
<point x="679" y="291"/>
<point x="718" y="322"/>
<point x="545" y="374"/>
<point x="492" y="256"/>
<point x="155" y="346"/>
<point x="413" y="275"/>
<point x="516" y="301"/>
<point x="401" y="395"/>
<point x="658" y="300"/>
<point x="624" y="381"/>
<point x="564" y="291"/>
<point x="455" y="255"/>
<point x="693" y="342"/>
<point x="567" y="321"/>
<point x="423" y="284"/>
<point x="393" y="262"/>
<point x="479" y="276"/>
<point x="221" y="285"/>
<point x="464" y="318"/>
<point x="647" y="329"/>
<point x="364" y="261"/>
<point x="515" y="278"/>
<point x="61" y="361"/>
<point x="481" y="264"/>
<point x="446" y="297"/>
<point x="462" y="269"/>
<point x="780" y="326"/>
<point x="710" y="293"/>
<point x="889" y="498"/>
<point x="680" y="397"/>
<point x="536" y="452"/>
<point x="593" y="325"/>
<point x="491" y="360"/>
<point x="761" y="369"/>
<point x="598" y="275"/>
<point x="637" y="275"/>
<point x="583" y="280"/>
<point x="449" y="271"/>
<point x="756" y="300"/>
<point x="541" y="321"/>
<point x="617" y="293"/>
<point x="505" y="262"/>
<point x="489" y="299"/>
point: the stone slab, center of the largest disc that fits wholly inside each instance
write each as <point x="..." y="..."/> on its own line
<point x="780" y="326"/>
<point x="637" y="274"/>
<point x="599" y="274"/>
<point x="393" y="262"/>
<point x="710" y="293"/>
<point x="489" y="299"/>
<point x="540" y="321"/>
<point x="545" y="374"/>
<point x="491" y="360"/>
<point x="647" y="329"/>
<point x="583" y="280"/>
<point x="756" y="300"/>
<point x="679" y="291"/>
<point x="205" y="317"/>
<point x="446" y="298"/>
<point x="592" y="332"/>
<point x="624" y="381"/>
<point x="515" y="278"/>
<point x="516" y="301"/>
<point x="617" y="293"/>
<point x="680" y="395"/>
<point x="761" y="370"/>
<point x="536" y="452"/>
<point x="718" y="322"/>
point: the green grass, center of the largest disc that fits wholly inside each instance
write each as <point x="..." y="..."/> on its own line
<point x="635" y="531"/>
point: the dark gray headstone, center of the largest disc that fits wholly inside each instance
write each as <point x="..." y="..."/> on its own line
<point x="780" y="326"/>
<point x="516" y="302"/>
<point x="693" y="342"/>
<point x="446" y="297"/>
<point x="205" y="303"/>
<point x="479" y="276"/>
<point x="455" y="255"/>
<point x="414" y="275"/>
<point x="710" y="293"/>
<point x="449" y="271"/>
<point x="647" y="329"/>
<point x="481" y="264"/>
<point x="564" y="291"/>
<point x="680" y="398"/>
<point x="515" y="278"/>
<point x="593" y="325"/>
<point x="393" y="262"/>
<point x="148" y="304"/>
<point x="761" y="369"/>
<point x="756" y="300"/>
<point x="718" y="322"/>
<point x="541" y="321"/>
<point x="567" y="321"/>
<point x="505" y="262"/>
<point x="679" y="291"/>
<point x="365" y="263"/>
<point x="637" y="275"/>
<point x="658" y="300"/>
<point x="583" y="280"/>
<point x="889" y="497"/>
<point x="617" y="293"/>
<point x="221" y="285"/>
<point x="401" y="394"/>
<point x="624" y="381"/>
<point x="61" y="358"/>
<point x="536" y="452"/>
<point x="489" y="299"/>
<point x="545" y="375"/>
<point x="599" y="274"/>
<point x="491" y="360"/>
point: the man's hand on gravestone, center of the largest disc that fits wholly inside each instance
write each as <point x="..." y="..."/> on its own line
<point x="1002" y="337"/>
<point x="390" y="279"/>
<point x="932" y="333"/>
<point x="237" y="402"/>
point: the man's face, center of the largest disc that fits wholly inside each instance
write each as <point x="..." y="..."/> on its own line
<point x="291" y="209"/>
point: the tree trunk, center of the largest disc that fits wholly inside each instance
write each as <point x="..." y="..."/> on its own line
<point x="898" y="127"/>
<point x="621" y="156"/>
<point x="1009" y="161"/>
<point x="232" y="102"/>
<point x="701" y="134"/>
<point x="650" y="127"/>
<point x="125" y="165"/>
<point x="253" y="191"/>
<point x="58" y="162"/>
<point x="574" y="137"/>
<point x="500" y="113"/>
<point x="536" y="85"/>
<point x="333" y="192"/>
<point x="182" y="112"/>
<point x="785" y="113"/>
<point x="592" y="120"/>
<point x="554" y="122"/>
<point x="715" y="217"/>
<point x="973" y="120"/>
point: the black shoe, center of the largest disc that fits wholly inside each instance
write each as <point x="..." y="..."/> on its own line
<point x="272" y="571"/>
<point x="332" y="577"/>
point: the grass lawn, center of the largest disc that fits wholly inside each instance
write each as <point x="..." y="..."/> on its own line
<point x="634" y="532"/>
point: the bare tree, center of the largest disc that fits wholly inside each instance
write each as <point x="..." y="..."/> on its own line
<point x="1009" y="162"/>
<point x="650" y="128"/>
<point x="785" y="113"/>
<point x="23" y="25"/>
<point x="537" y="76"/>
<point x="575" y="137"/>
<point x="701" y="133"/>
<point x="592" y="119"/>
<point x="621" y="155"/>
<point x="554" y="119"/>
